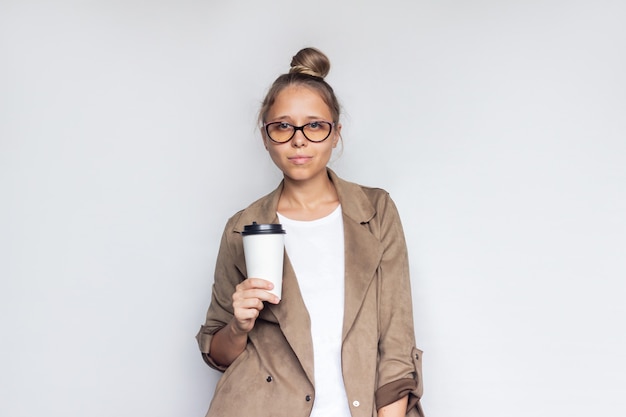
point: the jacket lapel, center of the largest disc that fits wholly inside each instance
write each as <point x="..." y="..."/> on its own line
<point x="362" y="257"/>
<point x="291" y="313"/>
<point x="294" y="319"/>
<point x="363" y="251"/>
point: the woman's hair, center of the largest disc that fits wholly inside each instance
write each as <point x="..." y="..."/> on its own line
<point x="308" y="69"/>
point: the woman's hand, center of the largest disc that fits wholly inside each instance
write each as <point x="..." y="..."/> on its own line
<point x="248" y="302"/>
<point x="230" y="341"/>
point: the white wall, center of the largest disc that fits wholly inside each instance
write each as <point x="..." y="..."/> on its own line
<point x="127" y="138"/>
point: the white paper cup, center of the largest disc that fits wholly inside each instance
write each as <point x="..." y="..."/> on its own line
<point x="264" y="247"/>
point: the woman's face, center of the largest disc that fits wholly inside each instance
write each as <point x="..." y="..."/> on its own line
<point x="300" y="159"/>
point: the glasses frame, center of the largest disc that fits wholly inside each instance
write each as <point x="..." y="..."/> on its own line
<point x="300" y="128"/>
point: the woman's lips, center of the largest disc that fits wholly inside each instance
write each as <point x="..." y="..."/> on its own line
<point x="299" y="159"/>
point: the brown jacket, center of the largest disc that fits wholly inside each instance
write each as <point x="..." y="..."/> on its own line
<point x="274" y="376"/>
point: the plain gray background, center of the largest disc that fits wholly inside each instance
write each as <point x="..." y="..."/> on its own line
<point x="127" y="138"/>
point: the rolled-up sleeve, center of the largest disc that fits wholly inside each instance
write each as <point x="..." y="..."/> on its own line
<point x="227" y="277"/>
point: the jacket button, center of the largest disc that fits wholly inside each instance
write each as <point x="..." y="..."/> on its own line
<point x="269" y="378"/>
<point x="417" y="356"/>
<point x="308" y="398"/>
<point x="356" y="403"/>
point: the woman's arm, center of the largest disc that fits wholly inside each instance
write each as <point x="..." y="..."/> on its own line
<point x="399" y="370"/>
<point x="230" y="341"/>
<point x="235" y="305"/>
<point x="397" y="409"/>
<point x="227" y="345"/>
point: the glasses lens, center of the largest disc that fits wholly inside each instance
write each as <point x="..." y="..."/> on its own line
<point x="317" y="131"/>
<point x="279" y="131"/>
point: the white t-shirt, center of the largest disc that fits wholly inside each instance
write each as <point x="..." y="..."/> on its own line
<point x="316" y="251"/>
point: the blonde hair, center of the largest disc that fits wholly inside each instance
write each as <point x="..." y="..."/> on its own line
<point x="309" y="67"/>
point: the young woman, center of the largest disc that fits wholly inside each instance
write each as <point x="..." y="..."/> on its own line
<point x="340" y="341"/>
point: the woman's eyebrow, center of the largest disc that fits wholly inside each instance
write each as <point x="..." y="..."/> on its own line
<point x="287" y="117"/>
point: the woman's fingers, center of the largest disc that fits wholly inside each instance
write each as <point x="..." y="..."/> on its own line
<point x="256" y="283"/>
<point x="255" y="288"/>
<point x="248" y="301"/>
<point x="251" y="303"/>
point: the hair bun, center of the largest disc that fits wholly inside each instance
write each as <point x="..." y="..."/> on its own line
<point x="310" y="61"/>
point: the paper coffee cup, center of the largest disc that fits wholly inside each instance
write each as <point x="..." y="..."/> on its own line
<point x="264" y="248"/>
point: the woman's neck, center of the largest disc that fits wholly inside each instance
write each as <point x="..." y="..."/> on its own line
<point x="308" y="200"/>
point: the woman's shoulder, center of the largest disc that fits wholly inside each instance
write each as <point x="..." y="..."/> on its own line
<point x="371" y="193"/>
<point x="375" y="193"/>
<point x="365" y="204"/>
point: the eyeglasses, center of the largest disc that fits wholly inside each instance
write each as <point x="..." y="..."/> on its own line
<point x="282" y="132"/>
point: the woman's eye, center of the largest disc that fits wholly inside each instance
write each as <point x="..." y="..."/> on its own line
<point x="314" y="125"/>
<point x="284" y="126"/>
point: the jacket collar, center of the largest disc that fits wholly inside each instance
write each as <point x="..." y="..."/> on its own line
<point x="354" y="204"/>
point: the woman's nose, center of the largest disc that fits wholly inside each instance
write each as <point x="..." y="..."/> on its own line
<point x="299" y="140"/>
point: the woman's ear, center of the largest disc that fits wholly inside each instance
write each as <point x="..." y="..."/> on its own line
<point x="337" y="135"/>
<point x="264" y="139"/>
